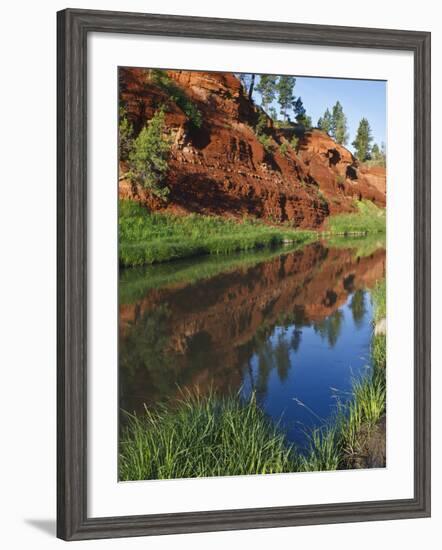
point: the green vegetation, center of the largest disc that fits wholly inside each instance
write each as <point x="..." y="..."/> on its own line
<point x="203" y="437"/>
<point x="339" y="128"/>
<point x="362" y="141"/>
<point x="148" y="157"/>
<point x="125" y="135"/>
<point x="334" y="123"/>
<point x="286" y="98"/>
<point x="323" y="453"/>
<point x="293" y="144"/>
<point x="267" y="88"/>
<point x="379" y="294"/>
<point x="283" y="148"/>
<point x="368" y="219"/>
<point x="266" y="141"/>
<point x="378" y="156"/>
<point x="177" y="95"/>
<point x="325" y="122"/>
<point x="147" y="238"/>
<point x="301" y="114"/>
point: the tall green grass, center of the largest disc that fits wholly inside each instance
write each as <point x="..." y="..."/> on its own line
<point x="379" y="298"/>
<point x="203" y="437"/>
<point x="368" y="219"/>
<point x="147" y="238"/>
<point x="324" y="451"/>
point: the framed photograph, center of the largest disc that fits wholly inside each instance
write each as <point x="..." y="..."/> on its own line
<point x="243" y="274"/>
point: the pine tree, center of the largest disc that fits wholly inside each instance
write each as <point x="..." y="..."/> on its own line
<point x="267" y="88"/>
<point x="286" y="98"/>
<point x="298" y="108"/>
<point x="339" y="129"/>
<point x="363" y="139"/>
<point x="375" y="152"/>
<point x="125" y="134"/>
<point x="325" y="122"/>
<point x="148" y="159"/>
<point x="301" y="114"/>
<point x="378" y="154"/>
<point x="306" y="121"/>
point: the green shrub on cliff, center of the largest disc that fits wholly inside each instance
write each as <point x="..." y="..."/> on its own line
<point x="283" y="148"/>
<point x="148" y="157"/>
<point x="266" y="142"/>
<point x="178" y="96"/>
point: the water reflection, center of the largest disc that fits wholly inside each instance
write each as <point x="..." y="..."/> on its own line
<point x="293" y="326"/>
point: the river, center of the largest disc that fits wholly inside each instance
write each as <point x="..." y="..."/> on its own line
<point x="294" y="326"/>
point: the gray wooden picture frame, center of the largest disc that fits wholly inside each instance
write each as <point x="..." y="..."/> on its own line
<point x="73" y="28"/>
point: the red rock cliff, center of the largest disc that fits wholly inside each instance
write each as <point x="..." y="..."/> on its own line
<point x="222" y="168"/>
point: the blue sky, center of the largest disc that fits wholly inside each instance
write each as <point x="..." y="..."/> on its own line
<point x="359" y="98"/>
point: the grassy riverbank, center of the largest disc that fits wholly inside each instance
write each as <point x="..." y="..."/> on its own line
<point x="203" y="436"/>
<point x="368" y="219"/>
<point x="146" y="238"/>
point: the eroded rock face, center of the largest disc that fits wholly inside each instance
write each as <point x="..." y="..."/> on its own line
<point x="222" y="168"/>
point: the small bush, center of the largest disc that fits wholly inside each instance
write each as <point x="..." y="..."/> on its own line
<point x="283" y="148"/>
<point x="294" y="143"/>
<point x="148" y="157"/>
<point x="266" y="142"/>
<point x="178" y="96"/>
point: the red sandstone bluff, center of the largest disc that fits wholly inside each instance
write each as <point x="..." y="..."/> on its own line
<point x="222" y="168"/>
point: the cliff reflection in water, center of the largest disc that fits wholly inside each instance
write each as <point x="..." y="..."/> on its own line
<point x="295" y="328"/>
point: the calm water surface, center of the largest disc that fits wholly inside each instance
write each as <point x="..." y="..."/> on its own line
<point x="293" y="326"/>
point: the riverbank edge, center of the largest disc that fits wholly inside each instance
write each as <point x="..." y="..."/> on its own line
<point x="151" y="238"/>
<point x="154" y="445"/>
